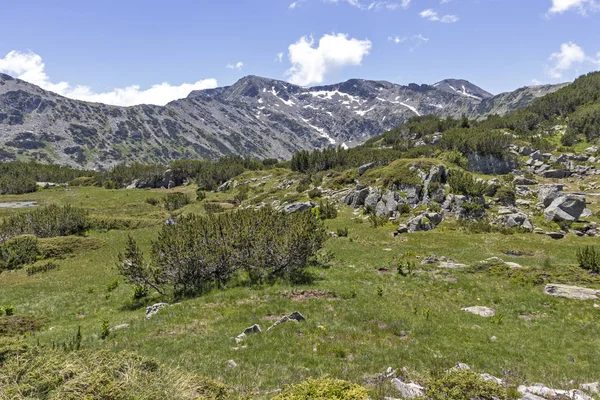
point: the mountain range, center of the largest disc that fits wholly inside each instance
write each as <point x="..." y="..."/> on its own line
<point x="256" y="117"/>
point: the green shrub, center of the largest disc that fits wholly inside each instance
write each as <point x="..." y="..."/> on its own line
<point x="342" y="232"/>
<point x="104" y="329"/>
<point x="153" y="201"/>
<point x="104" y="223"/>
<point x="83" y="181"/>
<point x="589" y="259"/>
<point x="464" y="183"/>
<point x="324" y="388"/>
<point x="315" y="193"/>
<point x="463" y="385"/>
<point x="175" y="201"/>
<point x="303" y="186"/>
<point x="47" y="222"/>
<point x="18" y="251"/>
<point x="377" y="221"/>
<point x="241" y="194"/>
<point x="506" y="195"/>
<point x="45" y="373"/>
<point x="112" y="286"/>
<point x="37" y="269"/>
<point x="10" y="185"/>
<point x="327" y="210"/>
<point x="404" y="209"/>
<point x="60" y="246"/>
<point x="139" y="292"/>
<point x="213" y="208"/>
<point x="199" y="252"/>
<point x="200" y="195"/>
<point x="9" y="311"/>
<point x="110" y="185"/>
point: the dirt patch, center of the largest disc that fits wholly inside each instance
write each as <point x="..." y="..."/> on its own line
<point x="304" y="295"/>
<point x="18" y="325"/>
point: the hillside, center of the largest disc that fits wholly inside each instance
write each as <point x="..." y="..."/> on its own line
<point x="255" y="117"/>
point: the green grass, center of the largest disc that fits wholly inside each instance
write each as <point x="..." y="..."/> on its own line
<point x="350" y="332"/>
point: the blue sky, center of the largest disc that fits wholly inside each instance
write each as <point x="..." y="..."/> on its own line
<point x="116" y="51"/>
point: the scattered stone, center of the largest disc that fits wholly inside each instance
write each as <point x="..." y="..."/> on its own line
<point x="460" y="367"/>
<point x="555" y="235"/>
<point x="451" y="265"/>
<point x="402" y="229"/>
<point x="593" y="388"/>
<point x="572" y="292"/>
<point x="295" y="317"/>
<point x="150" y="311"/>
<point x="540" y="390"/>
<point x="521" y="180"/>
<point x="513" y="265"/>
<point x="481" y="311"/>
<point x="408" y="390"/>
<point x="231" y="364"/>
<point x="432" y="259"/>
<point x="425" y="222"/>
<point x="548" y="193"/>
<point x="556" y="174"/>
<point x="250" y="330"/>
<point x="493" y="339"/>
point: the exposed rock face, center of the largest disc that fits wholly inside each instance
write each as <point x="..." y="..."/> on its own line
<point x="388" y="205"/>
<point x="565" y="208"/>
<point x="408" y="390"/>
<point x="364" y="168"/>
<point x="572" y="292"/>
<point x="356" y="198"/>
<point x="489" y="164"/>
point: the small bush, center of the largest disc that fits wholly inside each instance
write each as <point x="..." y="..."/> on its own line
<point x="323" y="389"/>
<point x="18" y="251"/>
<point x="463" y="385"/>
<point x="213" y="208"/>
<point x="241" y="194"/>
<point x="38" y="269"/>
<point x="200" y="195"/>
<point x="139" y="292"/>
<point x="404" y="209"/>
<point x="104" y="329"/>
<point x="315" y="193"/>
<point x="9" y="311"/>
<point x="376" y="221"/>
<point x="47" y="222"/>
<point x="61" y="246"/>
<point x="589" y="259"/>
<point x="464" y="183"/>
<point x="175" y="201"/>
<point x="342" y="232"/>
<point x="506" y="195"/>
<point x="153" y="201"/>
<point x="83" y="181"/>
<point x="327" y="210"/>
<point x="303" y="186"/>
<point x="112" y="286"/>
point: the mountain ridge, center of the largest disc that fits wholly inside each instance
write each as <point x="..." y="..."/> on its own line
<point x="254" y="117"/>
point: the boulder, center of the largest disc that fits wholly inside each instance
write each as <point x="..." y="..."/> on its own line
<point x="356" y="198"/>
<point x="555" y="235"/>
<point x="548" y="193"/>
<point x="572" y="292"/>
<point x="425" y="222"/>
<point x="408" y="390"/>
<point x="295" y="317"/>
<point x="364" y="168"/>
<point x="556" y="173"/>
<point x="297" y="207"/>
<point x="372" y="200"/>
<point x="152" y="310"/>
<point x="412" y="192"/>
<point x="388" y="203"/>
<point x="593" y="388"/>
<point x="521" y="180"/>
<point x="481" y="311"/>
<point x="565" y="208"/>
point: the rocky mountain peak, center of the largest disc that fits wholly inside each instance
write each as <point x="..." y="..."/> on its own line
<point x="463" y="88"/>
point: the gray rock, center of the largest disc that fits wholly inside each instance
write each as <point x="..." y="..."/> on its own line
<point x="356" y="198"/>
<point x="521" y="180"/>
<point x="372" y="200"/>
<point x="402" y="229"/>
<point x="152" y="310"/>
<point x="593" y="388"/>
<point x="231" y="364"/>
<point x="295" y="317"/>
<point x="412" y="192"/>
<point x="565" y="208"/>
<point x="488" y="164"/>
<point x="119" y="327"/>
<point x="481" y="311"/>
<point x="555" y="235"/>
<point x="548" y="193"/>
<point x="364" y="168"/>
<point x="408" y="390"/>
<point x="425" y="222"/>
<point x="556" y="173"/>
<point x="298" y="207"/>
<point x="252" y="329"/>
<point x="572" y="292"/>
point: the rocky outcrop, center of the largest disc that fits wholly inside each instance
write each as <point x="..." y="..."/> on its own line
<point x="488" y="164"/>
<point x="298" y="207"/>
<point x="572" y="292"/>
<point x="425" y="222"/>
<point x="152" y="310"/>
<point x="548" y="193"/>
<point x="364" y="168"/>
<point x="356" y="198"/>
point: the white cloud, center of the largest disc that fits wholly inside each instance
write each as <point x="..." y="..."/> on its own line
<point x="279" y="57"/>
<point x="374" y="5"/>
<point x="432" y="15"/>
<point x="413" y="41"/>
<point x="311" y="63"/>
<point x="30" y="68"/>
<point x="583" y="6"/>
<point x="295" y="4"/>
<point x="536" y="82"/>
<point x="570" y="56"/>
<point x="239" y="65"/>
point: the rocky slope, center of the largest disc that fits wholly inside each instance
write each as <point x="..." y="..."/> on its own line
<point x="254" y="117"/>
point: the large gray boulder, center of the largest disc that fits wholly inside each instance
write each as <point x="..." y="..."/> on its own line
<point x="425" y="222"/>
<point x="372" y="200"/>
<point x="556" y="173"/>
<point x="412" y="192"/>
<point x="548" y="193"/>
<point x="357" y="198"/>
<point x="565" y="208"/>
<point x="364" y="168"/>
<point x="153" y="309"/>
<point x="297" y="207"/>
<point x="388" y="203"/>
